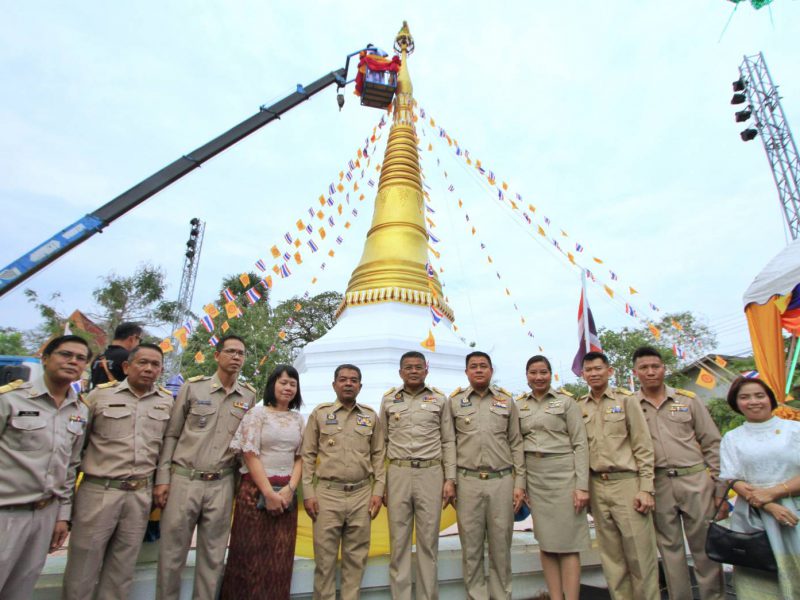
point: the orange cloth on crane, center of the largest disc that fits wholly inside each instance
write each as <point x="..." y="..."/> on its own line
<point x="374" y="62"/>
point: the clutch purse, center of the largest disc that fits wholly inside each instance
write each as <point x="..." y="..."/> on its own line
<point x="261" y="504"/>
<point x="751" y="550"/>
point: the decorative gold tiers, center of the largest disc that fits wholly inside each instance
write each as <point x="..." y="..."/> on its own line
<point x="392" y="266"/>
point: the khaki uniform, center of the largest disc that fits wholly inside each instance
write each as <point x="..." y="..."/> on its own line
<point x="490" y="464"/>
<point x="342" y="448"/>
<point x="686" y="443"/>
<point x="556" y="464"/>
<point x="198" y="464"/>
<point x="420" y="446"/>
<point x="112" y="505"/>
<point x="621" y="464"/>
<point x="40" y="450"/>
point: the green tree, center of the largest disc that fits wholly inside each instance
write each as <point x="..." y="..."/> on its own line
<point x="695" y="338"/>
<point x="725" y="418"/>
<point x="11" y="342"/>
<point x="577" y="389"/>
<point x="261" y="327"/>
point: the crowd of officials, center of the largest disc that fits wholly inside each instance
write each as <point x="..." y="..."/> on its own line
<point x="646" y="464"/>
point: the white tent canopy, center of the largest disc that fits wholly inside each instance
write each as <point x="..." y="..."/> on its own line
<point x="780" y="276"/>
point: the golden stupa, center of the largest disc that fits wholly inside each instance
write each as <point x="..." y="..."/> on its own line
<point x="393" y="264"/>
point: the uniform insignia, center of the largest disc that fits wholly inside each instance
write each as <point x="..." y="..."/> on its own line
<point x="241" y="404"/>
<point x="455" y="391"/>
<point x="77" y="419"/>
<point x="391" y="390"/>
<point x="623" y="391"/>
<point x="106" y="385"/>
<point x="250" y="387"/>
<point x="164" y="390"/>
<point x="197" y="378"/>
<point x="686" y="393"/>
<point x="466" y="402"/>
<point x="613" y="410"/>
<point x="566" y="392"/>
<point x="437" y="390"/>
<point x="203" y="402"/>
<point x="554" y="404"/>
<point x="161" y="406"/>
<point x="498" y="403"/>
<point x="202" y="422"/>
<point x="363" y="420"/>
<point x="521" y="397"/>
<point x="429" y="399"/>
<point x="468" y="420"/>
<point x="330" y="419"/>
<point x="11" y="386"/>
<point x="28" y="413"/>
<point x="398" y="397"/>
<point x="678" y="407"/>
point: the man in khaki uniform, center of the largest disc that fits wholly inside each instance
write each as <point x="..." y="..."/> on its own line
<point x="686" y="443"/>
<point x="42" y="425"/>
<point x="127" y="422"/>
<point x="195" y="473"/>
<point x="620" y="484"/>
<point x="343" y="484"/>
<point x="491" y="477"/>
<point x="420" y="446"/>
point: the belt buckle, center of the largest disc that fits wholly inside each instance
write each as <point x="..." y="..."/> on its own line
<point x="348" y="487"/>
<point x="483" y="475"/>
<point x="672" y="472"/>
<point x="209" y="476"/>
<point x="604" y="476"/>
<point x="415" y="464"/>
<point x="40" y="504"/>
<point x="128" y="486"/>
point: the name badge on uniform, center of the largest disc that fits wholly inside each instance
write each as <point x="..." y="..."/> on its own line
<point x="28" y="413"/>
<point x="117" y="406"/>
<point x="363" y="420"/>
<point x="612" y="410"/>
<point x="330" y="419"/>
<point x="524" y="407"/>
<point x="398" y="397"/>
<point x="554" y="404"/>
<point x="466" y="402"/>
<point x="161" y="406"/>
<point x="241" y="404"/>
<point x="203" y="402"/>
<point x="499" y="403"/>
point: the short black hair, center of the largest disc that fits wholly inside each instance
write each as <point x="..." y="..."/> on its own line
<point x="737" y="385"/>
<point x="221" y="343"/>
<point x="538" y="358"/>
<point x="269" y="390"/>
<point x="590" y="356"/>
<point x="56" y="342"/>
<point x="126" y="330"/>
<point x="349" y="367"/>
<point x="145" y="346"/>
<point x="477" y="354"/>
<point x="412" y="354"/>
<point x="643" y="351"/>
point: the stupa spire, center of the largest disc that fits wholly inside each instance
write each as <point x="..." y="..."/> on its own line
<point x="393" y="264"/>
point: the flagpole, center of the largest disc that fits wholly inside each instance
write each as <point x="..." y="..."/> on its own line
<point x="585" y="311"/>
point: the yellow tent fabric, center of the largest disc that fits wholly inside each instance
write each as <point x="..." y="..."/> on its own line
<point x="764" y="323"/>
<point x="379" y="539"/>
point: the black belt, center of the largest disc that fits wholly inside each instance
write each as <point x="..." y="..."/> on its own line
<point x="38" y="505"/>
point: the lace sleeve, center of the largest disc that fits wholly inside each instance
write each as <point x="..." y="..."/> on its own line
<point x="729" y="463"/>
<point x="248" y="435"/>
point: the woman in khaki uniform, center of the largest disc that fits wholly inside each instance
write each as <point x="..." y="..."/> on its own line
<point x="557" y="467"/>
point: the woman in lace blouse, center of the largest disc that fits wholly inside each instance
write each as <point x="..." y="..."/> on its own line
<point x="762" y="456"/>
<point x="261" y="553"/>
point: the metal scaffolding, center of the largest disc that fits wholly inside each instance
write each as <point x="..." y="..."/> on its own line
<point x="770" y="123"/>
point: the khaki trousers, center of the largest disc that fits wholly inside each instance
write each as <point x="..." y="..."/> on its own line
<point x="486" y="511"/>
<point x="25" y="536"/>
<point x="415" y="502"/>
<point x="208" y="506"/>
<point x="626" y="538"/>
<point x="343" y="521"/>
<point x="108" y="528"/>
<point x="683" y="506"/>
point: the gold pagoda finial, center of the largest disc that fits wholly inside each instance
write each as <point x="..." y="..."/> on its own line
<point x="394" y="265"/>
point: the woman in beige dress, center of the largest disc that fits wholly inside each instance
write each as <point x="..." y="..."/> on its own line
<point x="557" y="465"/>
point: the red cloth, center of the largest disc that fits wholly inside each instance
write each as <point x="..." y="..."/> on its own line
<point x="374" y="62"/>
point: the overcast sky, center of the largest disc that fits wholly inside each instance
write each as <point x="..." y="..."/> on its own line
<point x="612" y="118"/>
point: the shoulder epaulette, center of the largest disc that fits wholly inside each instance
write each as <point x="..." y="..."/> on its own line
<point x="367" y="407"/>
<point x="686" y="393"/>
<point x="438" y="391"/>
<point x="250" y="387"/>
<point x="566" y="392"/>
<point x="107" y="384"/>
<point x="164" y="390"/>
<point x="325" y="405"/>
<point x="197" y="378"/>
<point x="623" y="391"/>
<point x="455" y="391"/>
<point x="520" y="397"/>
<point x="391" y="390"/>
<point x="11" y="386"/>
<point x="503" y="390"/>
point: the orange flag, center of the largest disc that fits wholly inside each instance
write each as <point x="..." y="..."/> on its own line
<point x="340" y="187"/>
<point x="598" y="261"/>
<point x="331" y="253"/>
<point x="298" y="307"/>
<point x="298" y="258"/>
<point x="245" y="279"/>
<point x="320" y="215"/>
<point x="225" y="327"/>
<point x="321" y="200"/>
<point x="282" y="334"/>
<point x="297" y="243"/>
<point x="706" y="380"/>
<point x="199" y="358"/>
<point x="313" y="280"/>
<point x="275" y="252"/>
<point x="300" y="225"/>
<point x="339" y="209"/>
<point x="211" y="311"/>
<point x="571" y="257"/>
<point x="541" y="231"/>
<point x="180" y="335"/>
<point x="429" y="343"/>
<point x="609" y="291"/>
<point x="632" y="291"/>
<point x="166" y="345"/>
<point x="655" y="331"/>
<point x="322" y="233"/>
<point x="721" y="361"/>
<point x="231" y="309"/>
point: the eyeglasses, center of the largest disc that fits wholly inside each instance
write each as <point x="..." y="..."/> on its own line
<point x="232" y="352"/>
<point x="70" y="355"/>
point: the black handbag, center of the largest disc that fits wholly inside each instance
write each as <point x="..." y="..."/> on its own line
<point x="751" y="550"/>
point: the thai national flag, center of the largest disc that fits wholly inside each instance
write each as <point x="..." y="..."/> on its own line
<point x="429" y="270"/>
<point x="331" y="189"/>
<point x="429" y="209"/>
<point x="436" y="314"/>
<point x="527" y="218"/>
<point x="312" y="245"/>
<point x="421" y="113"/>
<point x="189" y="327"/>
<point x="433" y="238"/>
<point x="499" y="194"/>
<point x="371" y="183"/>
<point x="253" y="296"/>
<point x="348" y="176"/>
<point x="288" y="238"/>
<point x="213" y="340"/>
<point x="208" y="323"/>
<point x="285" y="272"/>
<point x="228" y="295"/>
<point x="311" y="212"/>
<point x="329" y="201"/>
<point x="630" y="310"/>
<point x="458" y="151"/>
<point x="578" y="248"/>
<point x="309" y="228"/>
<point x="451" y="188"/>
<point x="262" y="266"/>
<point x="613" y="276"/>
<point x="355" y="212"/>
<point x="352" y="165"/>
<point x="750" y="375"/>
<point x="585" y="330"/>
<point x="287" y="256"/>
<point x="339" y="240"/>
<point x="331" y="222"/>
<point x="654" y="307"/>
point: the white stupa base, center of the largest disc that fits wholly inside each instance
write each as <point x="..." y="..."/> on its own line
<point x="374" y="337"/>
